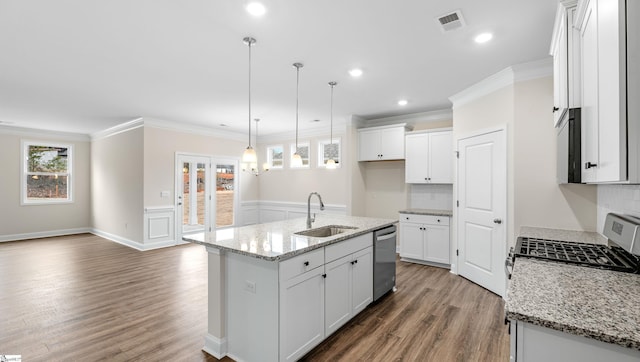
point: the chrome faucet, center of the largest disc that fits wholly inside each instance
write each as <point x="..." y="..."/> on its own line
<point x="309" y="219"/>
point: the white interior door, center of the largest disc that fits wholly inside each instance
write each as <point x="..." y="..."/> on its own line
<point x="482" y="193"/>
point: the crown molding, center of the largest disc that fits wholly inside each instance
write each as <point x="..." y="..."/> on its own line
<point x="339" y="129"/>
<point x="166" y="125"/>
<point x="41" y="133"/>
<point x="410" y="119"/>
<point x="506" y="77"/>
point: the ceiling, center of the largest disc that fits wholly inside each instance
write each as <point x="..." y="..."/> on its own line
<point x="86" y="65"/>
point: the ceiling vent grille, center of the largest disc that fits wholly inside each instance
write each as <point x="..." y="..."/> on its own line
<point x="451" y="21"/>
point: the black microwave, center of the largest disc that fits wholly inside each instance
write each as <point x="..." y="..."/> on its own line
<point x="569" y="148"/>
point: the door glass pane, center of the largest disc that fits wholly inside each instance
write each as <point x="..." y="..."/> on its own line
<point x="194" y="211"/>
<point x="225" y="177"/>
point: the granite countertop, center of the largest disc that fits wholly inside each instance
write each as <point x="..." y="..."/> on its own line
<point x="277" y="241"/>
<point x="434" y="212"/>
<point x="594" y="303"/>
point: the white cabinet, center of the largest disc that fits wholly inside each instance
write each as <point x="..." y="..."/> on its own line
<point x="532" y="343"/>
<point x="348" y="288"/>
<point x="425" y="238"/>
<point x="610" y="44"/>
<point x="301" y="314"/>
<point x="429" y="157"/>
<point x="565" y="49"/>
<point x="381" y="143"/>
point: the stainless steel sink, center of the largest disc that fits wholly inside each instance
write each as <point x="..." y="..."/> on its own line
<point x="325" y="231"/>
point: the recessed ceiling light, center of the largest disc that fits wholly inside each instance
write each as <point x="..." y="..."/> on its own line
<point x="256" y="9"/>
<point x="403" y="102"/>
<point x="483" y="38"/>
<point x="355" y="72"/>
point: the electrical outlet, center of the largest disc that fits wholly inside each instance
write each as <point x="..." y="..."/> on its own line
<point x="164" y="194"/>
<point x="250" y="286"/>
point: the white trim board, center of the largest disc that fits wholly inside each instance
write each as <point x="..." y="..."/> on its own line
<point x="43" y="234"/>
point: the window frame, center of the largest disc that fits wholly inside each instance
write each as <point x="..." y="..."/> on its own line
<point x="24" y="174"/>
<point x="270" y="157"/>
<point x="292" y="150"/>
<point x="321" y="144"/>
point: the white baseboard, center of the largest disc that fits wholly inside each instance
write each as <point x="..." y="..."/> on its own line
<point x="44" y="234"/>
<point x="215" y="346"/>
<point x="118" y="239"/>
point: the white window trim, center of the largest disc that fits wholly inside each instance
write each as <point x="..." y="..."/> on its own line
<point x="292" y="150"/>
<point x="23" y="175"/>
<point x="321" y="144"/>
<point x="270" y="160"/>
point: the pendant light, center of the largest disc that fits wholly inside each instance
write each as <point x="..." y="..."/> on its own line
<point x="296" y="160"/>
<point x="249" y="156"/>
<point x="252" y="167"/>
<point x="331" y="163"/>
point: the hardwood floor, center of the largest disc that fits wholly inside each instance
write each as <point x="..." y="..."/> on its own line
<point x="83" y="298"/>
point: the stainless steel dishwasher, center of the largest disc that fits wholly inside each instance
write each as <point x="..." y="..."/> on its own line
<point x="384" y="256"/>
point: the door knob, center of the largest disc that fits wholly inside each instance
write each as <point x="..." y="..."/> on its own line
<point x="497" y="221"/>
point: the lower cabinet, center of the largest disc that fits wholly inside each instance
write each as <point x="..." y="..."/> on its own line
<point x="348" y="288"/>
<point x="302" y="320"/>
<point x="425" y="238"/>
<point x="530" y="343"/>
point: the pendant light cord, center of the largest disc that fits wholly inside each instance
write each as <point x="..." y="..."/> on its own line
<point x="297" y="96"/>
<point x="249" y="43"/>
<point x="332" y="84"/>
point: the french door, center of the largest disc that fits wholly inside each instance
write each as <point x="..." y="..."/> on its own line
<point x="206" y="194"/>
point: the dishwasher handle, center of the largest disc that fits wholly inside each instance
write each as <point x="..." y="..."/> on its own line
<point x="386" y="236"/>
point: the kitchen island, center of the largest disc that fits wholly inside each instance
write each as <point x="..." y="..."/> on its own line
<point x="269" y="287"/>
<point x="562" y="312"/>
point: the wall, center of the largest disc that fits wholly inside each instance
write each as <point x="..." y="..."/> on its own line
<point x="438" y="197"/>
<point x="534" y="197"/>
<point x="621" y="199"/>
<point x="29" y="221"/>
<point x="117" y="169"/>
<point x="292" y="186"/>
<point x="539" y="200"/>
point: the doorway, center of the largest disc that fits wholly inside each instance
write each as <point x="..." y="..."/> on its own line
<point x="206" y="194"/>
<point x="482" y="210"/>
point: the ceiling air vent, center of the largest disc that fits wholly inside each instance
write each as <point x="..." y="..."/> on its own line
<point x="451" y="21"/>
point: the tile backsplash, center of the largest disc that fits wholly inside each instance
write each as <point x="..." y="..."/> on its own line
<point x="430" y="196"/>
<point x="621" y="199"/>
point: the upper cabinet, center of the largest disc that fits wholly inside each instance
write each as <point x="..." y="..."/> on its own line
<point x="610" y="46"/>
<point x="381" y="143"/>
<point x="565" y="49"/>
<point x="429" y="157"/>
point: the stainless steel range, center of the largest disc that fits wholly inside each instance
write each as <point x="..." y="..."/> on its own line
<point x="621" y="255"/>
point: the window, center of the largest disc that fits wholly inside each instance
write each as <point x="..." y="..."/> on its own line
<point x="328" y="150"/>
<point x="303" y="151"/>
<point x="46" y="176"/>
<point x="275" y="156"/>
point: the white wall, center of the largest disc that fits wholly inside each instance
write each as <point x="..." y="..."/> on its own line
<point x="621" y="199"/>
<point x="117" y="169"/>
<point x="534" y="197"/>
<point x="27" y="221"/>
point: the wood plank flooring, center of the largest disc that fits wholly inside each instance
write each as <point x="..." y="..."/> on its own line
<point x="83" y="298"/>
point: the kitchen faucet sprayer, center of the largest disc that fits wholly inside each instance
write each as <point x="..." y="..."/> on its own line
<point x="309" y="219"/>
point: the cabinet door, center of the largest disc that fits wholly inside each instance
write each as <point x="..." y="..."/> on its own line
<point x="392" y="143"/>
<point x="369" y="145"/>
<point x="411" y="240"/>
<point x="416" y="163"/>
<point x="338" y="293"/>
<point x="560" y="74"/>
<point x="441" y="157"/>
<point x="589" y="112"/>
<point x="362" y="279"/>
<point x="301" y="314"/>
<point x="437" y="244"/>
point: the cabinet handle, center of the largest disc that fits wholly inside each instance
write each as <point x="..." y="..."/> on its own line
<point x="324" y="276"/>
<point x="356" y="261"/>
<point x="589" y="165"/>
<point x="352" y="262"/>
<point x="438" y="220"/>
<point x="306" y="263"/>
<point x="407" y="218"/>
<point x="555" y="109"/>
<point x="429" y="178"/>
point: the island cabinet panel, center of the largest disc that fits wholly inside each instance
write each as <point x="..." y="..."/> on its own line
<point x="302" y="314"/>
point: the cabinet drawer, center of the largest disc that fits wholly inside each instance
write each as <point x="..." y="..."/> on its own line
<point x="301" y="264"/>
<point x="425" y="219"/>
<point x="338" y="250"/>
